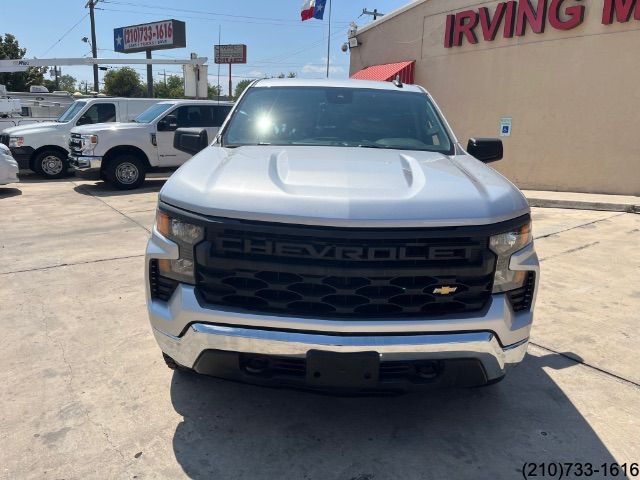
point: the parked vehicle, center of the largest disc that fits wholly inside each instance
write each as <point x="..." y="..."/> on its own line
<point x="337" y="235"/>
<point x="8" y="166"/>
<point x="123" y="153"/>
<point x="42" y="147"/>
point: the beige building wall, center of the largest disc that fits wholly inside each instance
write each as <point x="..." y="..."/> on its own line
<point x="574" y="96"/>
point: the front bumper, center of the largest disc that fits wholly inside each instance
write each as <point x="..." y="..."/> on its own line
<point x="86" y="167"/>
<point x="185" y="330"/>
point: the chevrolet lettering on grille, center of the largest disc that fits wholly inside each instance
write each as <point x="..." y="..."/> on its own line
<point x="320" y="251"/>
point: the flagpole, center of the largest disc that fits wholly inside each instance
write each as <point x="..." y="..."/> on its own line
<point x="329" y="40"/>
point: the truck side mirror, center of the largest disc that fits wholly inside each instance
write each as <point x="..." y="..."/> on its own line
<point x="190" y="140"/>
<point x="168" y="123"/>
<point x="486" y="150"/>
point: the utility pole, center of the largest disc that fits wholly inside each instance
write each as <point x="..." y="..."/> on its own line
<point x="375" y="13"/>
<point x="94" y="48"/>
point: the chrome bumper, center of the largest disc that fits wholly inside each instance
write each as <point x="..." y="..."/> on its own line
<point x="483" y="346"/>
<point x="85" y="163"/>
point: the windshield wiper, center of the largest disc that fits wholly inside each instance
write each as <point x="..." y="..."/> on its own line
<point x="369" y="145"/>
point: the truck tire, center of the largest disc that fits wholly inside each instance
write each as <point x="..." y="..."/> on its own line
<point x="51" y="164"/>
<point x="126" y="172"/>
<point x="173" y="365"/>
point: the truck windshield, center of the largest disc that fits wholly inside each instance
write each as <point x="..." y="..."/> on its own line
<point x="151" y="113"/>
<point x="342" y="117"/>
<point x="71" y="112"/>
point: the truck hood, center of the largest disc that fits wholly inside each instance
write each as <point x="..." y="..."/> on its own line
<point x="108" y="127"/>
<point x="42" y="127"/>
<point x="343" y="186"/>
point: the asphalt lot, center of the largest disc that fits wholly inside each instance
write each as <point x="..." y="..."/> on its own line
<point x="85" y="394"/>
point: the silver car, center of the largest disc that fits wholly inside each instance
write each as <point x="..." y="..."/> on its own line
<point x="8" y="166"/>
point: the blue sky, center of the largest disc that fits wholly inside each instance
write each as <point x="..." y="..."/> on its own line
<point x="277" y="41"/>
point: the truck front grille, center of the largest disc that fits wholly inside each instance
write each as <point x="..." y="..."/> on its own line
<point x="4" y="139"/>
<point x="337" y="272"/>
<point x="75" y="143"/>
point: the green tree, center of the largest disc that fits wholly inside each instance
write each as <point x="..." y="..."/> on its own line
<point x="66" y="83"/>
<point x="214" y="91"/>
<point x="173" y="88"/>
<point x="18" y="81"/>
<point x="288" y="75"/>
<point x="241" y="87"/>
<point x="124" y="82"/>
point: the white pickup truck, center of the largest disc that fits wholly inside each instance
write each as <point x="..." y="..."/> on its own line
<point x="123" y="153"/>
<point x="42" y="147"/>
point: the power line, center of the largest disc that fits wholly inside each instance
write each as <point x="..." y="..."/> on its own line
<point x="281" y="23"/>
<point x="201" y="12"/>
<point x="65" y="34"/>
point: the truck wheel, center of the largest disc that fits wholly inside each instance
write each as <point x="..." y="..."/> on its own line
<point x="126" y="172"/>
<point x="173" y="365"/>
<point x="51" y="164"/>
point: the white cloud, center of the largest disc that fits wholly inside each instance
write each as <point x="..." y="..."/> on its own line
<point x="321" y="67"/>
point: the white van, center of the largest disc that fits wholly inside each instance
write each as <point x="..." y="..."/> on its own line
<point x="42" y="147"/>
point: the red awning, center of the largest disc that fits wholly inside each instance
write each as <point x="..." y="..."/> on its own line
<point x="387" y="72"/>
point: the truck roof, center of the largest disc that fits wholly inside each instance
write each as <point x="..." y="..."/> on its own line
<point x="195" y="102"/>
<point x="348" y="83"/>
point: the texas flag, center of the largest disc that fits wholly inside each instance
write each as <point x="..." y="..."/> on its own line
<point x="313" y="9"/>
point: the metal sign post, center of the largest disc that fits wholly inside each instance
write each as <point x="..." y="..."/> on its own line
<point x="149" y="76"/>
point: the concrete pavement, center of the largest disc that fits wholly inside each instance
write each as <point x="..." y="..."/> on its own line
<point x="85" y="393"/>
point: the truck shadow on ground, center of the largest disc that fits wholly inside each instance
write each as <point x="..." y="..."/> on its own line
<point x="9" y="192"/>
<point x="232" y="430"/>
<point x="103" y="189"/>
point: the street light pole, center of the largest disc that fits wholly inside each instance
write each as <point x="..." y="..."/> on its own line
<point x="94" y="48"/>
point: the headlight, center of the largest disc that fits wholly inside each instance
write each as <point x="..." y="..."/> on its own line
<point x="15" y="142"/>
<point x="89" y="142"/>
<point x="504" y="245"/>
<point x="186" y="235"/>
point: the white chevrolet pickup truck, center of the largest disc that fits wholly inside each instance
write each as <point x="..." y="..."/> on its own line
<point x="123" y="153"/>
<point x="337" y="235"/>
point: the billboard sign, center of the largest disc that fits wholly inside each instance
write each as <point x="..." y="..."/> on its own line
<point x="150" y="36"/>
<point x="231" y="53"/>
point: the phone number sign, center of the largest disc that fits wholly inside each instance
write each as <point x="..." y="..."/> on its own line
<point x="150" y="36"/>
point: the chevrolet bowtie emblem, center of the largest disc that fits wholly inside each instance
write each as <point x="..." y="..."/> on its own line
<point x="445" y="290"/>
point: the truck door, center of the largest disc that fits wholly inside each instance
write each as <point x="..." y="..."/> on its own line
<point x="98" y="113"/>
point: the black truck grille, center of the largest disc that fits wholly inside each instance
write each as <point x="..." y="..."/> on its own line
<point x="4" y="139"/>
<point x="335" y="272"/>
